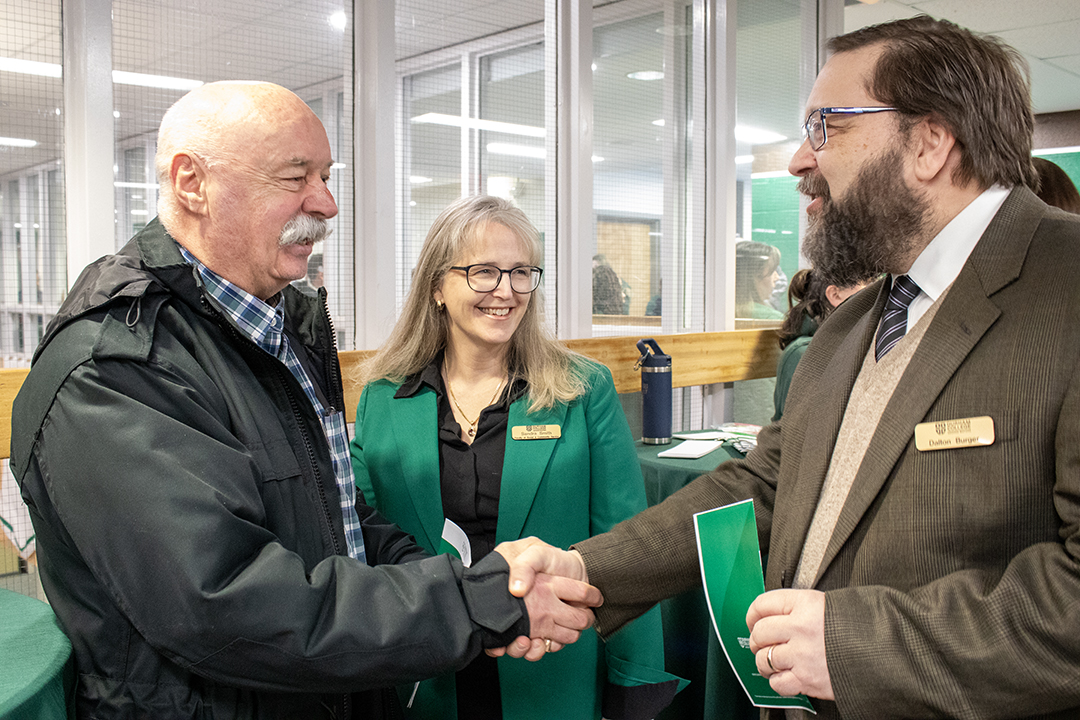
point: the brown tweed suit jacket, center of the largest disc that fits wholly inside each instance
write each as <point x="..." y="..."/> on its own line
<point x="953" y="576"/>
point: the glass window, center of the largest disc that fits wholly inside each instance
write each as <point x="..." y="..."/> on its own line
<point x="32" y="250"/>
<point x="771" y="51"/>
<point x="430" y="158"/>
<point x="648" y="261"/>
<point x="629" y="79"/>
<point x="473" y="117"/>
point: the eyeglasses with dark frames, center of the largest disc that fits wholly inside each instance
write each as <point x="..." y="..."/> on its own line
<point x="485" y="278"/>
<point x="815" y="130"/>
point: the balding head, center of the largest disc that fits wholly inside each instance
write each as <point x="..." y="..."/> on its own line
<point x="216" y="122"/>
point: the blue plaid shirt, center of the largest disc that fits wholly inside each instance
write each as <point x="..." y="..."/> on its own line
<point x="265" y="325"/>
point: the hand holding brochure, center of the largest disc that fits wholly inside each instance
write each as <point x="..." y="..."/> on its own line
<point x="731" y="572"/>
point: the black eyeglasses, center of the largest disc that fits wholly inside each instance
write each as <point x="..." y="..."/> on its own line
<point x="485" y="278"/>
<point x="814" y="128"/>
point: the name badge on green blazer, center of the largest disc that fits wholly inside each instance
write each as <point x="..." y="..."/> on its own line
<point x="536" y="432"/>
<point x="948" y="434"/>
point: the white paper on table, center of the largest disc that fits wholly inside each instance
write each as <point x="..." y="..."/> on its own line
<point x="713" y="435"/>
<point x="691" y="449"/>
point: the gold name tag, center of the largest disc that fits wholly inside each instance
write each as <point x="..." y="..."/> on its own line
<point x="948" y="434"/>
<point x="536" y="432"/>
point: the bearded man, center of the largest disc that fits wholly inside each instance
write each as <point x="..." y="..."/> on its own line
<point x="181" y="445"/>
<point x="920" y="499"/>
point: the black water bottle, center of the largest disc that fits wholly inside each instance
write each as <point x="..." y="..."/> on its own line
<point x="655" y="393"/>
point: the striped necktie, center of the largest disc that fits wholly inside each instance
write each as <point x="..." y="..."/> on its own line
<point x="894" y="318"/>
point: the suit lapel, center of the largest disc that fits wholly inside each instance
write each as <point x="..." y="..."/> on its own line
<point x="524" y="466"/>
<point x="416" y="417"/>
<point x="966" y="313"/>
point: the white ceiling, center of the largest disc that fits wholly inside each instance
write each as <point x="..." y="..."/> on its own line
<point x="1046" y="32"/>
<point x="292" y="42"/>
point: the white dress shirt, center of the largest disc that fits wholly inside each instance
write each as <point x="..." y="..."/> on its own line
<point x="939" y="264"/>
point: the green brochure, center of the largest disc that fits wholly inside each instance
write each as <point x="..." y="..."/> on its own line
<point x="731" y="571"/>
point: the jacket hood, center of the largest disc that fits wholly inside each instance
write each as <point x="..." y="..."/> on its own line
<point x="150" y="262"/>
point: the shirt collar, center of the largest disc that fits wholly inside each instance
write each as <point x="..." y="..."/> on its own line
<point x="430" y="376"/>
<point x="262" y="322"/>
<point x="941" y="261"/>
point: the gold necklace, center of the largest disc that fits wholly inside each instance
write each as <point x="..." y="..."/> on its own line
<point x="472" y="423"/>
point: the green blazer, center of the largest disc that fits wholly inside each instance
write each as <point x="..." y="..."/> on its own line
<point x="560" y="490"/>
<point x="952" y="579"/>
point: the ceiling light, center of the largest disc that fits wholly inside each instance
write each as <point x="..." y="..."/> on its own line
<point x="757" y="136"/>
<point x="419" y="179"/>
<point x="120" y="77"/>
<point x="338" y="166"/>
<point x="659" y="123"/>
<point x="17" y="142"/>
<point x="477" y="124"/>
<point x="646" y="75"/>
<point x="31" y="67"/>
<point x="140" y="186"/>
<point x="597" y="158"/>
<point x="116" y="113"/>
<point x="338" y="20"/>
<point x="744" y="159"/>
<point x="529" y="151"/>
<point x="1057" y="150"/>
<point x="772" y="174"/>
<point x="675" y="30"/>
<point x="164" y="82"/>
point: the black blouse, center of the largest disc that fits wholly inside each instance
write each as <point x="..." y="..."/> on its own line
<point x="470" y="479"/>
<point x="470" y="475"/>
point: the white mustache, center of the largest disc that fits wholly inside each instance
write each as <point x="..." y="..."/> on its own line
<point x="304" y="230"/>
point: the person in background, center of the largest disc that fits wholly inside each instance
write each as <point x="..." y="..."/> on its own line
<point x="655" y="306"/>
<point x="472" y="413"/>
<point x="608" y="296"/>
<point x="756" y="273"/>
<point x="919" y="503"/>
<point x="811" y="299"/>
<point x="779" y="297"/>
<point x="313" y="279"/>
<point x="1056" y="187"/>
<point x="181" y="447"/>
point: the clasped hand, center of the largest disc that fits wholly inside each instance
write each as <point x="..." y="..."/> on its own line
<point x="557" y="596"/>
<point x="787" y="636"/>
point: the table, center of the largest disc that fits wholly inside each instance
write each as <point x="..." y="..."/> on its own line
<point x="690" y="645"/>
<point x="36" y="673"/>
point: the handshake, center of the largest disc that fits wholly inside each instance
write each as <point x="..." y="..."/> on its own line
<point x="557" y="595"/>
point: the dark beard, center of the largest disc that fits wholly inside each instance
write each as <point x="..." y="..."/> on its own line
<point x="876" y="229"/>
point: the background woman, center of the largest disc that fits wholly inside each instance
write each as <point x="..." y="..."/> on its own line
<point x="811" y="299"/>
<point x="1056" y="187"/>
<point x="756" y="272"/>
<point x="473" y="412"/>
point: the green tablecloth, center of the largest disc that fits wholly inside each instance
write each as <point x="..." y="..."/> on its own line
<point x="35" y="661"/>
<point x="690" y="645"/>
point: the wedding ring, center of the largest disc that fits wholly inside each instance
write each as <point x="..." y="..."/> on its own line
<point x="768" y="658"/>
<point x="547" y="645"/>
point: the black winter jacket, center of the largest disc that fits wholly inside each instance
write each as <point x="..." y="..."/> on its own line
<point x="188" y="523"/>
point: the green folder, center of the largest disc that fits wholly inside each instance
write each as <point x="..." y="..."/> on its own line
<point x="730" y="560"/>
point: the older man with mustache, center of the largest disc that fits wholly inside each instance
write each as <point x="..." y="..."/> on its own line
<point x="181" y="444"/>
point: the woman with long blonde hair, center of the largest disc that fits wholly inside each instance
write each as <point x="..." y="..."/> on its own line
<point x="475" y="418"/>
